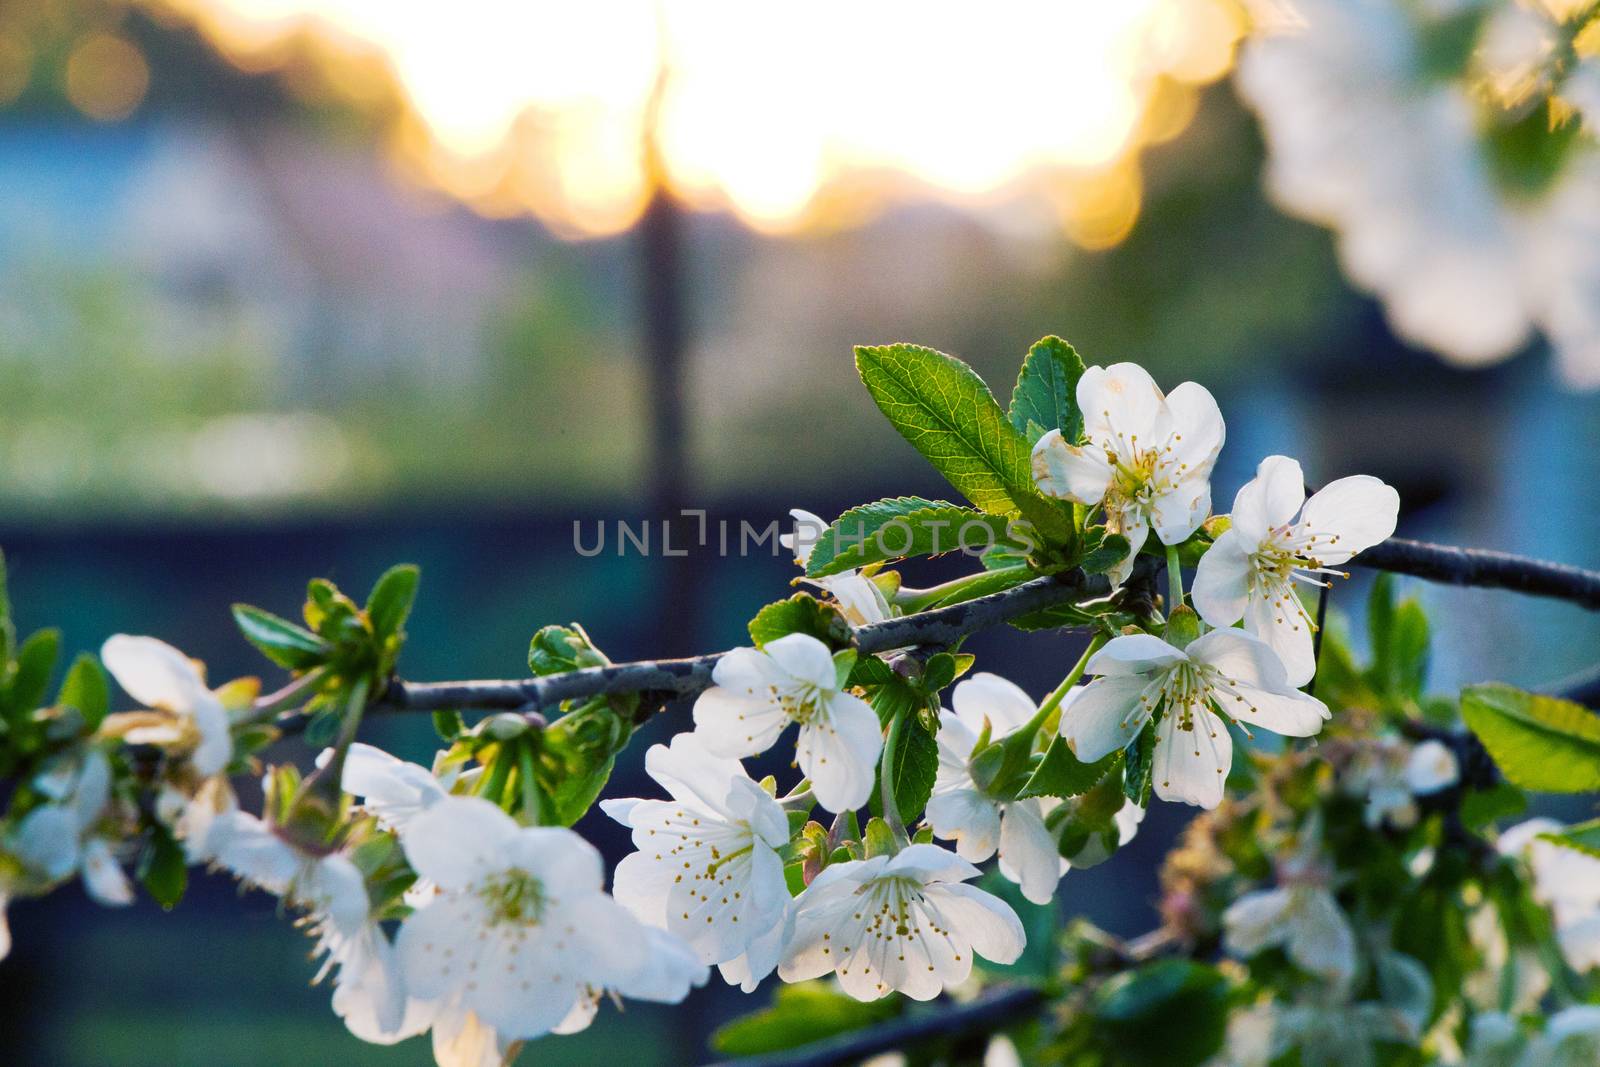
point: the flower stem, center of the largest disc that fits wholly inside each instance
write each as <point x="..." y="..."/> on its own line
<point x="533" y="813"/>
<point x="1174" y="580"/>
<point x="915" y="600"/>
<point x="1053" y="701"/>
<point x="891" y="806"/>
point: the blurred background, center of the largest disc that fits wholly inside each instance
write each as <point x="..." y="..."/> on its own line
<point x="308" y="287"/>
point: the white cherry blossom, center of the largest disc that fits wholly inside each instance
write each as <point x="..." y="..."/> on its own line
<point x="979" y="824"/>
<point x="860" y="599"/>
<point x="192" y="719"/>
<point x="1146" y="460"/>
<point x="707" y="867"/>
<point x="904" y="923"/>
<point x="1567" y="882"/>
<point x="393" y="791"/>
<point x="669" y="971"/>
<point x="794" y="679"/>
<point x="1304" y="919"/>
<point x="1222" y="673"/>
<point x="518" y="929"/>
<point x="1278" y="538"/>
<point x="80" y="785"/>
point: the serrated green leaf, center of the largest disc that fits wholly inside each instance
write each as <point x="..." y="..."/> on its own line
<point x="389" y="604"/>
<point x="280" y="640"/>
<point x="1045" y="397"/>
<point x="1583" y="837"/>
<point x="1062" y="774"/>
<point x="1540" y="743"/>
<point x="161" y="868"/>
<point x="901" y="527"/>
<point x="941" y="406"/>
<point x="86" y="689"/>
<point x="1112" y="550"/>
<point x="1139" y="767"/>
<point x="800" y="614"/>
<point x="799" y="1015"/>
<point x="870" y="670"/>
<point x="36" y="662"/>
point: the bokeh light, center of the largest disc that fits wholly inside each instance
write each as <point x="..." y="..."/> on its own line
<point x="790" y="120"/>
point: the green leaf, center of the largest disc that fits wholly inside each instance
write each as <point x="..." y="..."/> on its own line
<point x="280" y="640"/>
<point x="1399" y="636"/>
<point x="1112" y="550"/>
<point x="1046" y="396"/>
<point x="1172" y="1013"/>
<point x="1540" y="743"/>
<point x="389" y="604"/>
<point x="1062" y="774"/>
<point x="86" y="689"/>
<point x="799" y="1015"/>
<point x="802" y="614"/>
<point x="941" y="406"/>
<point x="1140" y="766"/>
<point x="161" y="867"/>
<point x="36" y="661"/>
<point x="996" y="581"/>
<point x="448" y="725"/>
<point x="871" y="670"/>
<point x="1583" y="836"/>
<point x="916" y="765"/>
<point x="1483" y="807"/>
<point x="900" y="527"/>
<point x="558" y="649"/>
<point x="8" y="631"/>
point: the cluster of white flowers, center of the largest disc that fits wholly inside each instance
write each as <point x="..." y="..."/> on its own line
<point x="1147" y="462"/>
<point x="1565" y="880"/>
<point x="1367" y="137"/>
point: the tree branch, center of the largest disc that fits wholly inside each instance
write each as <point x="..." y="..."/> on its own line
<point x="987" y="1014"/>
<point x="942" y="627"/>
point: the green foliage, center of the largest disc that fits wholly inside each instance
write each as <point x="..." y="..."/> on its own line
<point x="1526" y="156"/>
<point x="948" y="414"/>
<point x="280" y="640"/>
<point x="1045" y="397"/>
<point x="800" y="614"/>
<point x="30" y="677"/>
<point x="389" y="604"/>
<point x="1583" y="836"/>
<point x="900" y="527"/>
<point x="86" y="689"/>
<point x="1540" y="743"/>
<point x="1139" y="766"/>
<point x="1399" y="634"/>
<point x="1172" y="1013"/>
<point x="555" y="649"/>
<point x="800" y="1014"/>
<point x="162" y="869"/>
<point x="1062" y="774"/>
<point x="913" y="752"/>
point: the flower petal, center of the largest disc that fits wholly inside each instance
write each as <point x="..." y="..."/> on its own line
<point x="967" y="817"/>
<point x="103" y="877"/>
<point x="981" y="919"/>
<point x="1134" y="654"/>
<point x="1320" y="939"/>
<point x="457" y="839"/>
<point x="691" y="774"/>
<point x="1192" y="764"/>
<point x="808" y="528"/>
<point x="1198" y="431"/>
<point x="1079" y="473"/>
<point x="989" y="696"/>
<point x="152" y="672"/>
<point x="1107" y="716"/>
<point x="1222" y="581"/>
<point x="1121" y="402"/>
<point x="1359" y="511"/>
<point x="1269" y="500"/>
<point x="804" y="659"/>
<point x="1256" y="921"/>
<point x="838" y="750"/>
<point x="732" y="724"/>
<point x="1029" y="855"/>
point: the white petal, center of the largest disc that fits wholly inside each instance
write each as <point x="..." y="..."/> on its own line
<point x="153" y="672"/>
<point x="1192" y="765"/>
<point x="1179" y="511"/>
<point x="1292" y="714"/>
<point x="1222" y="581"/>
<point x="969" y="818"/>
<point x="1320" y="940"/>
<point x="838" y="750"/>
<point x="1360" y="510"/>
<point x="691" y="774"/>
<point x="1432" y="766"/>
<point x="103" y="877"/>
<point x="246" y="846"/>
<point x="1198" y="431"/>
<point x="1107" y="716"/>
<point x="1256" y="921"/>
<point x="1029" y="855"/>
<point x="641" y="883"/>
<point x="730" y="723"/>
<point x="215" y="748"/>
<point x="1120" y="402"/>
<point x="392" y="789"/>
<point x="982" y="919"/>
<point x="1134" y="654"/>
<point x="930" y="863"/>
<point x="808" y="529"/>
<point x="1241" y="657"/>
<point x="1276" y="614"/>
<point x="762" y="955"/>
<point x="990" y="696"/>
<point x="461" y="1039"/>
<point x="561" y="860"/>
<point x="1269" y="500"/>
<point x="458" y="838"/>
<point x="860" y="600"/>
<point x="805" y="659"/>
<point x="669" y="972"/>
<point x="92" y="791"/>
<point x="956" y="744"/>
<point x="5" y="927"/>
<point x="1080" y="473"/>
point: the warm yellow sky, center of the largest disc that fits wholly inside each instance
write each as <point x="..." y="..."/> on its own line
<point x="789" y="115"/>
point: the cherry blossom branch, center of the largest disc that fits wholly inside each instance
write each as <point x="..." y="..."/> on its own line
<point x="985" y="1015"/>
<point x="1485" y="569"/>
